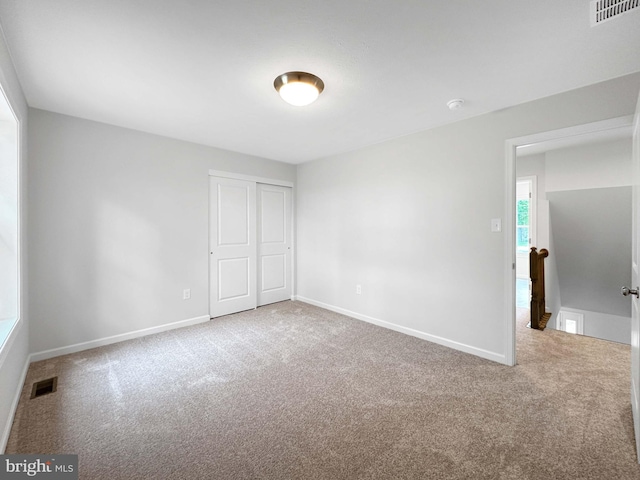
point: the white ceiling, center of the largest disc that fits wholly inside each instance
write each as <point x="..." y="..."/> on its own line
<point x="203" y="70"/>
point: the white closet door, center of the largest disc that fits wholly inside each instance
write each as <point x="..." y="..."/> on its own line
<point x="232" y="240"/>
<point x="274" y="244"/>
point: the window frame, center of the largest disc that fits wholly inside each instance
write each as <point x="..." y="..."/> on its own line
<point x="7" y="338"/>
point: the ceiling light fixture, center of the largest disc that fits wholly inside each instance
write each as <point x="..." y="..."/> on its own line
<point x="298" y="88"/>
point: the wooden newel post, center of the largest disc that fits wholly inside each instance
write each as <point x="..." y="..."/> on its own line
<point x="539" y="317"/>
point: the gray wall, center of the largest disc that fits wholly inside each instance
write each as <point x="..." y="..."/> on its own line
<point x="592" y="238"/>
<point x="592" y="165"/>
<point x="14" y="353"/>
<point x="409" y="220"/>
<point x="553" y="298"/>
<point x="119" y="227"/>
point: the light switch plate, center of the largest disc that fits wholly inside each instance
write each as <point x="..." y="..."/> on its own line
<point x="496" y="224"/>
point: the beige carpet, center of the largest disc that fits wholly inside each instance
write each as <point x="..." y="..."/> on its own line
<point x="291" y="391"/>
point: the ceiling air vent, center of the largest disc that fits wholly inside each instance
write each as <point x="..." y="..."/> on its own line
<point x="605" y="10"/>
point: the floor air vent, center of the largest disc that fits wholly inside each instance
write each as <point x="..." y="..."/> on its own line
<point x="44" y="387"/>
<point x="605" y="10"/>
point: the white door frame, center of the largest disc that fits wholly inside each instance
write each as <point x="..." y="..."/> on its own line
<point x="250" y="178"/>
<point x="268" y="181"/>
<point x="510" y="206"/>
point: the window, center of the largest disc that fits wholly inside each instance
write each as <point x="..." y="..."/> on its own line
<point x="570" y="322"/>
<point x="522" y="225"/>
<point x="525" y="214"/>
<point x="9" y="219"/>
<point x="525" y="223"/>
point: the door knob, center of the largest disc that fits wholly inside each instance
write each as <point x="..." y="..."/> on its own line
<point x="626" y="291"/>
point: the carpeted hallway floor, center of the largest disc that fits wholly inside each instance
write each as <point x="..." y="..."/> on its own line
<point x="291" y="391"/>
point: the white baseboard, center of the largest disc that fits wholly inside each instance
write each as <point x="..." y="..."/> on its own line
<point x="14" y="406"/>
<point x="496" y="357"/>
<point x="78" y="347"/>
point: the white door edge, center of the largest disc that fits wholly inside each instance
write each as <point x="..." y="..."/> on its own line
<point x="635" y="305"/>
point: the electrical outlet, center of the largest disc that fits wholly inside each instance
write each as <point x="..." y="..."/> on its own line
<point x="186" y="294"/>
<point x="358" y="289"/>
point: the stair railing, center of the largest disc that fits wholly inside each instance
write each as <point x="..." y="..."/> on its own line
<point x="539" y="317"/>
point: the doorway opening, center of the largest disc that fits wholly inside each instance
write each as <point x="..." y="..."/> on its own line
<point x="514" y="238"/>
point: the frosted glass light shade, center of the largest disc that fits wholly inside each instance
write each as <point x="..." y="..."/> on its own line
<point x="299" y="93"/>
<point x="298" y="88"/>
